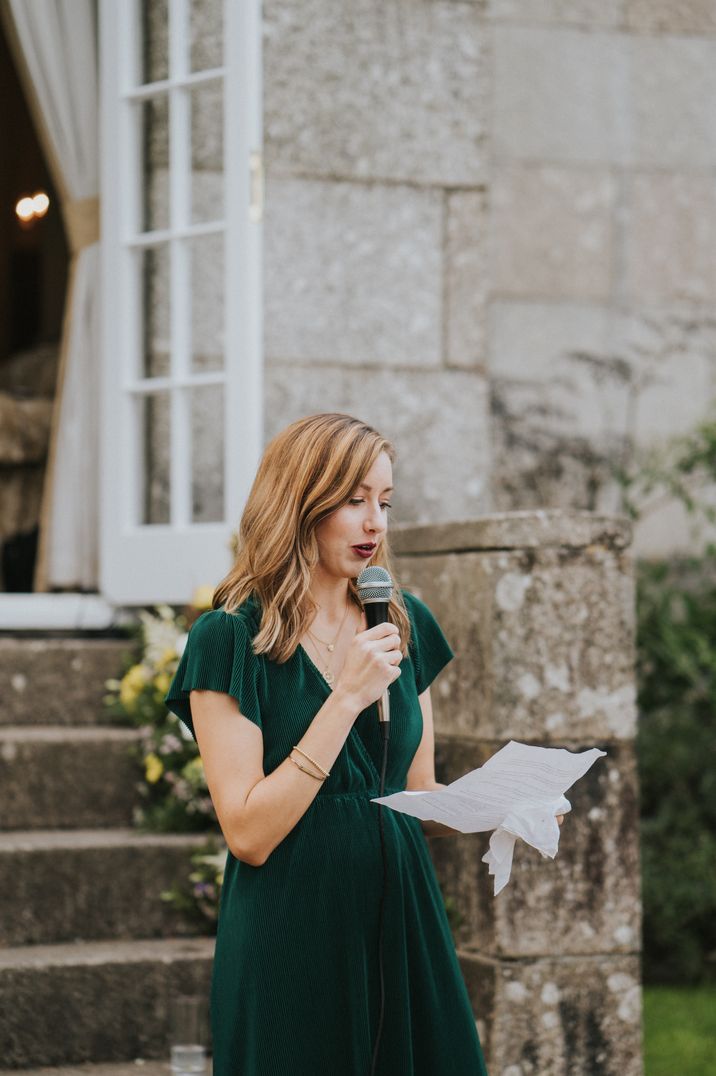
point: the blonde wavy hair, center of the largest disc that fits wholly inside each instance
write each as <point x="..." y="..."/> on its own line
<point x="308" y="471"/>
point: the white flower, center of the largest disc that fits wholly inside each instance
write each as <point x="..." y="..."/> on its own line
<point x="160" y="635"/>
<point x="180" y="643"/>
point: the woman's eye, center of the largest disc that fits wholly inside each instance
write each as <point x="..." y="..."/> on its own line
<point x="359" y="500"/>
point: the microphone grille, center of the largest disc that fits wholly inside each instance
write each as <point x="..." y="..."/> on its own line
<point x="374" y="585"/>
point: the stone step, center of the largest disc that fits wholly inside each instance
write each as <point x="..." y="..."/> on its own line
<point x="138" y="1067"/>
<point x="96" y="1001"/>
<point x="69" y="885"/>
<point x="58" y="681"/>
<point x="62" y="777"/>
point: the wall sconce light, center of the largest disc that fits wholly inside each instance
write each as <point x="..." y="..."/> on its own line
<point x="32" y="207"/>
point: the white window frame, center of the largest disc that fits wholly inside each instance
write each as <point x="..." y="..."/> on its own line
<point x="145" y="563"/>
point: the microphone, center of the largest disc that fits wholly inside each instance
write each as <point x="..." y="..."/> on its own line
<point x="375" y="589"/>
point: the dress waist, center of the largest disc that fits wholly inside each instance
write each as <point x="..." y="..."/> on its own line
<point x="361" y="794"/>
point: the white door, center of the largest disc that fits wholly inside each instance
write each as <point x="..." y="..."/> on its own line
<point x="182" y="359"/>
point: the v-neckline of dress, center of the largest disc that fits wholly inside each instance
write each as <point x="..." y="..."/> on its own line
<point x="358" y="739"/>
<point x="313" y="665"/>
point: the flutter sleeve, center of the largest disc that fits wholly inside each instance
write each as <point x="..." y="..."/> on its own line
<point x="218" y="656"/>
<point x="429" y="649"/>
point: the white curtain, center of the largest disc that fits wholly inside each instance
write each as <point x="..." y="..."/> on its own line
<point x="55" y="42"/>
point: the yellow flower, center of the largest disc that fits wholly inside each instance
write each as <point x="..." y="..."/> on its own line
<point x="203" y="597"/>
<point x="162" y="683"/>
<point x="153" y="768"/>
<point x="131" y="686"/>
<point x="168" y="656"/>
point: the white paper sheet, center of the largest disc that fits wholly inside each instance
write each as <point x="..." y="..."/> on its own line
<point x="517" y="793"/>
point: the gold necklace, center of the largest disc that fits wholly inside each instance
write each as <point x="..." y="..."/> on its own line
<point x="328" y="672"/>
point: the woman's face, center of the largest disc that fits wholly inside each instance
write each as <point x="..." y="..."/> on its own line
<point x="362" y="521"/>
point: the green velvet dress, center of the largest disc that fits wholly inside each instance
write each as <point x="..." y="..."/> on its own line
<point x="295" y="982"/>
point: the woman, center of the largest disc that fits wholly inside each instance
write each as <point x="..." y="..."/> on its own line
<point x="278" y="683"/>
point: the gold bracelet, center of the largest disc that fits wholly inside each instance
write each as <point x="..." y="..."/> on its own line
<point x="293" y="760"/>
<point x="319" y="768"/>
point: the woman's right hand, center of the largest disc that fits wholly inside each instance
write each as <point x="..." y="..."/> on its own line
<point x="371" y="665"/>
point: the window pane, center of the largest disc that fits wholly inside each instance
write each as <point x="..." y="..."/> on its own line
<point x="207" y="164"/>
<point x="154" y="424"/>
<point x="155" y="155"/>
<point x="207" y="302"/>
<point x="207" y="433"/>
<point x="206" y="28"/>
<point x="154" y="28"/>
<point x="155" y="298"/>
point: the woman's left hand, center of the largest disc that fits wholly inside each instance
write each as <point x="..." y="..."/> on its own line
<point x="560" y="818"/>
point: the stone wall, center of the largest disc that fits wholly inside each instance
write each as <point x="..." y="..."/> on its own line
<point x="489" y="230"/>
<point x="539" y="610"/>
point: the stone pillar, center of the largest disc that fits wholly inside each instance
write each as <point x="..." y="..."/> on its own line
<point x="538" y="607"/>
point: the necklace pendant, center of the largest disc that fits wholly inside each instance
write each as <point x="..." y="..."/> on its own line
<point x="331" y="647"/>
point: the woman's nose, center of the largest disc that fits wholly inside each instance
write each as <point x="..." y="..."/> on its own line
<point x="376" y="520"/>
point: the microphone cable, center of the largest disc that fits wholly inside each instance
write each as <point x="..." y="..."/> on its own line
<point x="385" y="729"/>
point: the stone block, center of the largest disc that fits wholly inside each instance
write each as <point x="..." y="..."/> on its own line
<point x="559" y="95"/>
<point x="466" y="279"/>
<point x="72" y="885"/>
<point x="99" y="1001"/>
<point x="543" y="642"/>
<point x="564" y="363"/>
<point x="585" y="901"/>
<point x="670" y="238"/>
<point x="551" y="232"/>
<point x="58" y="681"/>
<point x="54" y="778"/>
<point x="572" y="1015"/>
<point x="390" y="90"/>
<point x="573" y="386"/>
<point x="353" y="274"/>
<point x="674" y="87"/>
<point x="436" y="419"/>
<point x="665" y="16"/>
<point x="606" y="13"/>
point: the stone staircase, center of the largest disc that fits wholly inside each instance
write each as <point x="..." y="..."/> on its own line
<point x="90" y="956"/>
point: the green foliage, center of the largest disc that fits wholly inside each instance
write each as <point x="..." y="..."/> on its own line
<point x="677" y="754"/>
<point x="173" y="791"/>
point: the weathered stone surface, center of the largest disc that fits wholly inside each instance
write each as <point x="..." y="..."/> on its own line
<point x="682" y="16"/>
<point x="436" y="420"/>
<point x="559" y="95"/>
<point x="585" y="901"/>
<point x="551" y="232"/>
<point x="575" y="1015"/>
<point x="67" y="885"/>
<point x="138" y="1067"/>
<point x="353" y="273"/>
<point x="54" y="777"/>
<point x="572" y="385"/>
<point x="544" y="643"/>
<point x="513" y="530"/>
<point x="54" y="681"/>
<point x="466" y="279"/>
<point x="671" y="238"/>
<point x="577" y="12"/>
<point x="561" y="395"/>
<point x="80" y="989"/>
<point x="387" y="90"/>
<point x="674" y="87"/>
